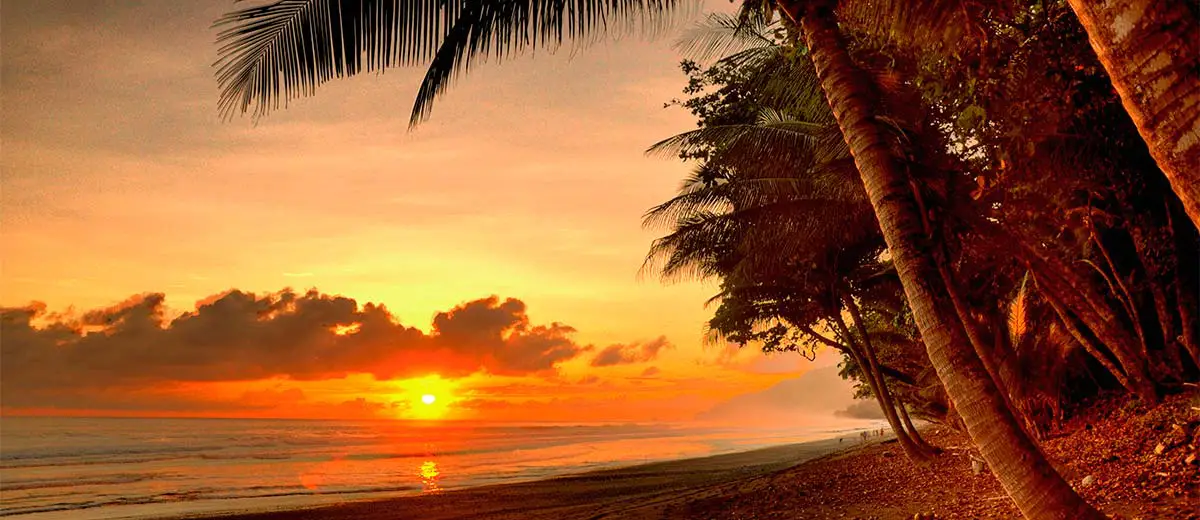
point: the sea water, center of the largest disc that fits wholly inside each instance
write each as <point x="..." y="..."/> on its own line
<point x="85" y="468"/>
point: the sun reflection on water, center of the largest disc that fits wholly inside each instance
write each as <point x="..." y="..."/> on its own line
<point x="429" y="477"/>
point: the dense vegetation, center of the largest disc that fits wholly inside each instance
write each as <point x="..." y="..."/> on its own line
<point x="989" y="207"/>
<point x="1072" y="261"/>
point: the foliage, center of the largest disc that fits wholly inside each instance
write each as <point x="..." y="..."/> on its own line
<point x="1049" y="213"/>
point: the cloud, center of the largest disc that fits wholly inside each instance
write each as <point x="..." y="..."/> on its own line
<point x="651" y="372"/>
<point x="51" y="359"/>
<point x="500" y="333"/>
<point x="631" y="353"/>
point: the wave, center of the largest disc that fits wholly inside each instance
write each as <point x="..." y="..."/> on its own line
<point x="10" y="484"/>
<point x="246" y="493"/>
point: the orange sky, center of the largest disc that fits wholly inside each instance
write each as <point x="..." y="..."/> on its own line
<point x="528" y="183"/>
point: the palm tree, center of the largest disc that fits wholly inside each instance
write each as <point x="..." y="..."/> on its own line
<point x="774" y="197"/>
<point x="1038" y="490"/>
<point x="287" y="48"/>
<point x="1149" y="50"/>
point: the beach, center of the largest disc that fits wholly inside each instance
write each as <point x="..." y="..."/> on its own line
<point x="832" y="479"/>
<point x="641" y="491"/>
<point x="127" y="468"/>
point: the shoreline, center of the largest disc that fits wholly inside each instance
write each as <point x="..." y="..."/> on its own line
<point x="614" y="491"/>
<point x="1119" y="458"/>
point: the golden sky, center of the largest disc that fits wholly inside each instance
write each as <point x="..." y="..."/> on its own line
<point x="528" y="184"/>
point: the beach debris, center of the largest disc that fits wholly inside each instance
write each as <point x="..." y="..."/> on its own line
<point x="1087" y="481"/>
<point x="1177" y="436"/>
<point x="978" y="466"/>
<point x="924" y="516"/>
<point x="1158" y="450"/>
<point x="1191" y="459"/>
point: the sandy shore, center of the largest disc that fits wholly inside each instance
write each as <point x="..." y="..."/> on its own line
<point x="1116" y="445"/>
<point x="633" y="492"/>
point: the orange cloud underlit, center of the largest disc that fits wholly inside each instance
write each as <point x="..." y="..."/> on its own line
<point x="314" y="355"/>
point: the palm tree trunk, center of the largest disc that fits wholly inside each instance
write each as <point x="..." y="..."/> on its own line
<point x="884" y="370"/>
<point x="1071" y="323"/>
<point x="873" y="361"/>
<point x="1149" y="49"/>
<point x="1158" y="282"/>
<point x="1092" y="309"/>
<point x="912" y="430"/>
<point x="998" y="358"/>
<point x="1039" y="491"/>
<point x="914" y="452"/>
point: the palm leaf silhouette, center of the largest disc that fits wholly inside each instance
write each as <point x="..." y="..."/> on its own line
<point x="272" y="53"/>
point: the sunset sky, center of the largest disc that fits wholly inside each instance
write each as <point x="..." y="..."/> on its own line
<point x="498" y="244"/>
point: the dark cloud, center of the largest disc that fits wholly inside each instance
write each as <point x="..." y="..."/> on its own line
<point x="362" y="406"/>
<point x="651" y="372"/>
<point x="481" y="324"/>
<point x="631" y="353"/>
<point x="501" y="333"/>
<point x="51" y="359"/>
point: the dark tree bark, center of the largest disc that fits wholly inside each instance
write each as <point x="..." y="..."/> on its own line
<point x="1149" y="49"/>
<point x="885" y="370"/>
<point x="912" y="430"/>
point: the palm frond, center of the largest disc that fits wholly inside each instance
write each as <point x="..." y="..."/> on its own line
<point x="1018" y="313"/>
<point x="784" y="142"/>
<point x="932" y="25"/>
<point x="726" y="198"/>
<point x="720" y="34"/>
<point x="697" y="248"/>
<point x="272" y="53"/>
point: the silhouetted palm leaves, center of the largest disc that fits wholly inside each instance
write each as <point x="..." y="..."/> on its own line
<point x="275" y="52"/>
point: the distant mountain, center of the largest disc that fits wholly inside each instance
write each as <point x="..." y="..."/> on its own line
<point x="819" y="395"/>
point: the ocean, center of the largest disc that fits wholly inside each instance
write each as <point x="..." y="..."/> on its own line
<point x="101" y="468"/>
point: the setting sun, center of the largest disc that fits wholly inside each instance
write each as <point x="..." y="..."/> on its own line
<point x="427" y="398"/>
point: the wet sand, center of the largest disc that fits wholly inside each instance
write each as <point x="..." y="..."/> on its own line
<point x="643" y="491"/>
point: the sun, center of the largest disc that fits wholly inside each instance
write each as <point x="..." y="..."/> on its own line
<point x="428" y="398"/>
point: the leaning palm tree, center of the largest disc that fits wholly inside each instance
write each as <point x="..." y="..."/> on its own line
<point x="1037" y="489"/>
<point x="1150" y="52"/>
<point x="777" y="249"/>
<point x="287" y="48"/>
